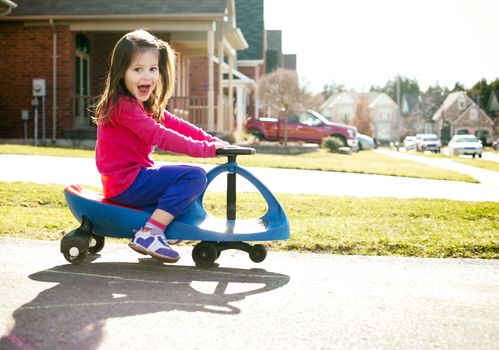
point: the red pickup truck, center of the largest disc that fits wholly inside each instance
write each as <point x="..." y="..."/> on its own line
<point x="310" y="126"/>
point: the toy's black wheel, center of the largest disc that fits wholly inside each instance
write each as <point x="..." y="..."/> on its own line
<point x="96" y="244"/>
<point x="258" y="253"/>
<point x="74" y="251"/>
<point x="204" y="254"/>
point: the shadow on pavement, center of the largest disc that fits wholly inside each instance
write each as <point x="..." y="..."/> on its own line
<point x="72" y="313"/>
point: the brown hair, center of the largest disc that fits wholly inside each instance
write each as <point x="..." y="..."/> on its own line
<point x="125" y="49"/>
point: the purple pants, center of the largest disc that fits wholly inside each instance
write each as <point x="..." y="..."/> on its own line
<point x="171" y="188"/>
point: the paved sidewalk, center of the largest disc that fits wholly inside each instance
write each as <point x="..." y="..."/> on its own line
<point x="66" y="170"/>
<point x="289" y="301"/>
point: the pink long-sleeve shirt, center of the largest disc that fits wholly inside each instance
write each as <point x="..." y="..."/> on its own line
<point x="125" y="143"/>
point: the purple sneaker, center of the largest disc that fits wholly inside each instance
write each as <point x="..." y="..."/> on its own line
<point x="146" y="243"/>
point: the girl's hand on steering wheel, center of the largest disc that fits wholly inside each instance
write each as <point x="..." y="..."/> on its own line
<point x="221" y="144"/>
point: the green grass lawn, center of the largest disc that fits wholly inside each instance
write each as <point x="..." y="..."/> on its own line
<point x="366" y="162"/>
<point x="477" y="162"/>
<point x="480" y="163"/>
<point x="325" y="224"/>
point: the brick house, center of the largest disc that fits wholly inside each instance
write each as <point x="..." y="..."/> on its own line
<point x="459" y="114"/>
<point x="417" y="111"/>
<point x="66" y="44"/>
<point x="493" y="109"/>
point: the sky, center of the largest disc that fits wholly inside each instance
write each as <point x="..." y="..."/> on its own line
<point x="361" y="43"/>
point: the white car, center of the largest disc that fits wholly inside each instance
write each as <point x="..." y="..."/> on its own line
<point x="465" y="144"/>
<point x="410" y="143"/>
<point x="428" y="142"/>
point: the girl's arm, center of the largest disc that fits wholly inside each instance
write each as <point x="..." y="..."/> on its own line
<point x="185" y="128"/>
<point x="133" y="117"/>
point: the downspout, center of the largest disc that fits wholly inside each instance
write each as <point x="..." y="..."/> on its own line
<point x="54" y="81"/>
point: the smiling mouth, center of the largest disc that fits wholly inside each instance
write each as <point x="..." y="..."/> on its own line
<point x="144" y="89"/>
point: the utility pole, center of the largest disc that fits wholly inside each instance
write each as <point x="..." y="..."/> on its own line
<point x="398" y="105"/>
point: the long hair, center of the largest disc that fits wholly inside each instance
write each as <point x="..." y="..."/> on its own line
<point x="124" y="51"/>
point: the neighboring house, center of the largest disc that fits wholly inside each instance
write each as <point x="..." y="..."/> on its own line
<point x="289" y="61"/>
<point x="386" y="118"/>
<point x="273" y="55"/>
<point x="459" y="114"/>
<point x="493" y="104"/>
<point x="417" y="112"/>
<point x="384" y="112"/>
<point x="493" y="109"/>
<point x="412" y="115"/>
<point x="409" y="102"/>
<point x="340" y="107"/>
<point x="250" y="62"/>
<point x="68" y="47"/>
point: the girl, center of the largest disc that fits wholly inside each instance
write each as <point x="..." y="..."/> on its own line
<point x="131" y="119"/>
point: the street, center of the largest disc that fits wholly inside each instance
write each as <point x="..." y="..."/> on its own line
<point x="122" y="300"/>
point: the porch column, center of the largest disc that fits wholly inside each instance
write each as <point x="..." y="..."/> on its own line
<point x="231" y="93"/>
<point x="211" y="80"/>
<point x="220" y="91"/>
<point x="256" y="112"/>
<point x="241" y="109"/>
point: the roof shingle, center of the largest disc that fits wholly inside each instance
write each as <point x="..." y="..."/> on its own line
<point x="249" y="14"/>
<point x="117" y="7"/>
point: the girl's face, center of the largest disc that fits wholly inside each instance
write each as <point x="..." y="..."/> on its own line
<point x="141" y="77"/>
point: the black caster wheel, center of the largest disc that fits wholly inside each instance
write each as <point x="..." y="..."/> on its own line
<point x="258" y="253"/>
<point x="74" y="250"/>
<point x="204" y="254"/>
<point x="96" y="244"/>
<point x="75" y="245"/>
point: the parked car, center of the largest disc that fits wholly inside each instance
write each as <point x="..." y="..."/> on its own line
<point x="465" y="144"/>
<point x="495" y="145"/>
<point x="310" y="126"/>
<point x="365" y="142"/>
<point x="428" y="142"/>
<point x="410" y="143"/>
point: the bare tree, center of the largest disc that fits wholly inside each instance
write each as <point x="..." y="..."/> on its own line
<point x="281" y="91"/>
<point x="362" y="119"/>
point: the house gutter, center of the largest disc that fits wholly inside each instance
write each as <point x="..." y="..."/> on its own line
<point x="10" y="6"/>
<point x="54" y="81"/>
<point x="204" y="16"/>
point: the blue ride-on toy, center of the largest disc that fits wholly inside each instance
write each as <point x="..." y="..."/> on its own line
<point x="101" y="218"/>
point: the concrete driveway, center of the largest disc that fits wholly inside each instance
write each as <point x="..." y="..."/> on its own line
<point x="289" y="301"/>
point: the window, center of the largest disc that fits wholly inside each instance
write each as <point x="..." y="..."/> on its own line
<point x="309" y="119"/>
<point x="384" y="115"/>
<point x="345" y="114"/>
<point x="461" y="102"/>
<point x="463" y="131"/>
<point x="474" y="114"/>
<point x="82" y="80"/>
